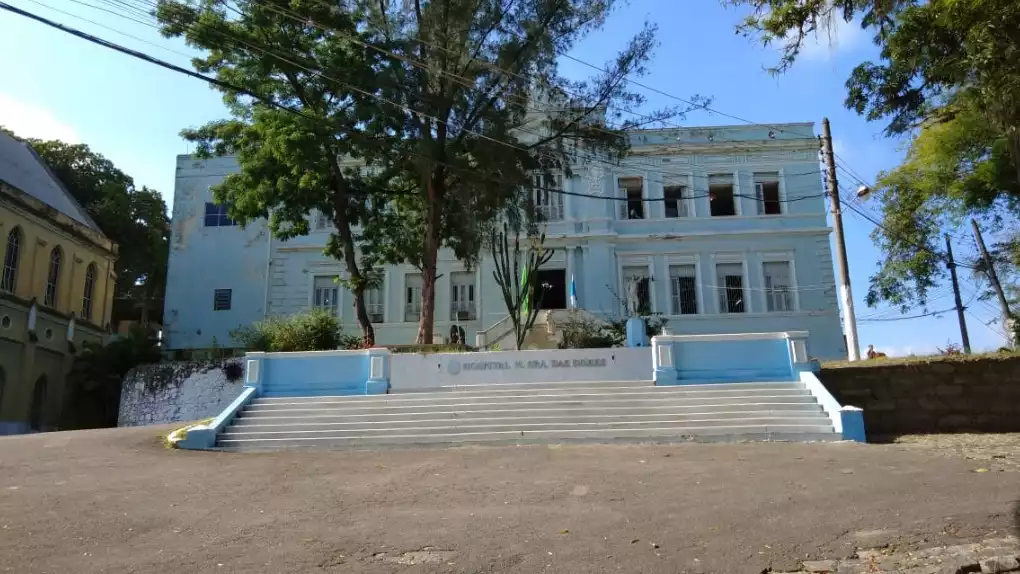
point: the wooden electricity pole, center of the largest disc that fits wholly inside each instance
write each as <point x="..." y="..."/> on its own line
<point x="846" y="295"/>
<point x="993" y="278"/>
<point x="956" y="294"/>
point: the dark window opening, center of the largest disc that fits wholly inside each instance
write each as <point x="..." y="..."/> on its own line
<point x="675" y="205"/>
<point x="632" y="188"/>
<point x="551" y="290"/>
<point x="216" y="215"/>
<point x="768" y="197"/>
<point x="721" y="200"/>
<point x="221" y="299"/>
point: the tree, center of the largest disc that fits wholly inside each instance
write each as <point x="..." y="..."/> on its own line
<point x="949" y="76"/>
<point x="134" y="218"/>
<point x="521" y="289"/>
<point x="292" y="165"/>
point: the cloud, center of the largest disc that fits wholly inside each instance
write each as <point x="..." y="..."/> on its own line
<point x="32" y="121"/>
<point x="839" y="36"/>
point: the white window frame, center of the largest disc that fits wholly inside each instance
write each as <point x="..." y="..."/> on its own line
<point x="759" y="203"/>
<point x="470" y="287"/>
<point x="320" y="221"/>
<point x="338" y="308"/>
<point x="737" y="211"/>
<point x="624" y="261"/>
<point x="779" y="257"/>
<point x="687" y="181"/>
<point x="730" y="258"/>
<point x="622" y="213"/>
<point x="413" y="306"/>
<point x="699" y="292"/>
<point x="556" y="203"/>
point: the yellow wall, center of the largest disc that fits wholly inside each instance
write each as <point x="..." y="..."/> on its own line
<point x="39" y="237"/>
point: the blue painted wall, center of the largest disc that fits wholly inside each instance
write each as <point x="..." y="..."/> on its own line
<point x="592" y="244"/>
<point x="323" y="373"/>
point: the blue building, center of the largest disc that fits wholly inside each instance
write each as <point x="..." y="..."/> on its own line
<point x="722" y="230"/>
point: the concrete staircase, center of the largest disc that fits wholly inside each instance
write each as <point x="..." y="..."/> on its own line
<point x="534" y="413"/>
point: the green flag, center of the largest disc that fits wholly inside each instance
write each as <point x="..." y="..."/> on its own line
<point x="526" y="301"/>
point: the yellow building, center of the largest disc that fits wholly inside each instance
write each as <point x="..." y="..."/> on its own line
<point x="56" y="288"/>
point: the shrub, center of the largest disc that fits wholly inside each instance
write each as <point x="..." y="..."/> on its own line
<point x="233" y="371"/>
<point x="311" y="331"/>
<point x="585" y="332"/>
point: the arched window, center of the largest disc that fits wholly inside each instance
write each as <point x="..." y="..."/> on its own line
<point x="87" y="295"/>
<point x="54" y="277"/>
<point x="9" y="281"/>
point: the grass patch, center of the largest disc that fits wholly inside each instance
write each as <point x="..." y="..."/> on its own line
<point x="922" y="359"/>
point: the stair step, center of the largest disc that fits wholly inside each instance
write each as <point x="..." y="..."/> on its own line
<point x="667" y="433"/>
<point x="521" y="386"/>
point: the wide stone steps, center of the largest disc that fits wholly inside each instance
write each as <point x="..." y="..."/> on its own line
<point x="529" y="413"/>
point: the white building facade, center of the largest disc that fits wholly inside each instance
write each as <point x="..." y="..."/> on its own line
<point x="724" y="229"/>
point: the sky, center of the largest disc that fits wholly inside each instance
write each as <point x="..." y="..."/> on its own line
<point x="56" y="86"/>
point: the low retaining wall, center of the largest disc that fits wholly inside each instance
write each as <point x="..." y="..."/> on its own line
<point x="430" y="371"/>
<point x="979" y="394"/>
<point x="176" y="392"/>
<point x="735" y="357"/>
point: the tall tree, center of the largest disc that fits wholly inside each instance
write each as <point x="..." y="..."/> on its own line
<point x="516" y="273"/>
<point x="483" y="106"/>
<point x="292" y="165"/>
<point x="134" y="218"/>
<point x="949" y="78"/>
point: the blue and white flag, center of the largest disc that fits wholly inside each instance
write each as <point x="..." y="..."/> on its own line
<point x="573" y="292"/>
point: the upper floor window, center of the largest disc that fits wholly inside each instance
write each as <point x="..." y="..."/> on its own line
<point x="374" y="305"/>
<point x="53" y="277"/>
<point x="322" y="220"/>
<point x="326" y="294"/>
<point x="462" y="297"/>
<point x="778" y="285"/>
<point x="222" y="299"/>
<point x="730" y="287"/>
<point x="720" y="195"/>
<point x="12" y="255"/>
<point x="412" y="297"/>
<point x="631" y="193"/>
<point x="88" y="294"/>
<point x="766" y="192"/>
<point x="216" y="215"/>
<point x="684" y="287"/>
<point x="676" y="200"/>
<point x="548" y="197"/>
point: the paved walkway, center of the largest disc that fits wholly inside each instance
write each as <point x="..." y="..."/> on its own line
<point x="117" y="501"/>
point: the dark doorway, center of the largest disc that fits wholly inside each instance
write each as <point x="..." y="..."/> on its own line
<point x="553" y="282"/>
<point x="38" y="409"/>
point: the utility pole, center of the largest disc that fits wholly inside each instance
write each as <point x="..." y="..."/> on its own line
<point x="956" y="294"/>
<point x="993" y="278"/>
<point x="845" y="294"/>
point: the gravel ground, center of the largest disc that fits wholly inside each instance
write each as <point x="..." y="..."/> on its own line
<point x="116" y="500"/>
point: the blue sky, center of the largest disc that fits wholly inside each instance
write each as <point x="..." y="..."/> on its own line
<point x="58" y="86"/>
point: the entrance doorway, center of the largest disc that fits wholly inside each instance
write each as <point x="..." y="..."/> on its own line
<point x="554" y="285"/>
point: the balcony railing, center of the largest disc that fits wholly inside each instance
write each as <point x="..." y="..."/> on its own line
<point x="463" y="311"/>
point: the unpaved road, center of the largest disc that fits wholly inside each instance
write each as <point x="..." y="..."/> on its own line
<point x="117" y="501"/>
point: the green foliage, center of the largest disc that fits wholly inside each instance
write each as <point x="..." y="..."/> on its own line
<point x="582" y="331"/>
<point x="134" y="218"/>
<point x="312" y="331"/>
<point x="94" y="383"/>
<point x="430" y="349"/>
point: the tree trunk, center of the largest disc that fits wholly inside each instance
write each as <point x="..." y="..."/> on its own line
<point x="343" y="228"/>
<point x="430" y="256"/>
<point x="361" y="312"/>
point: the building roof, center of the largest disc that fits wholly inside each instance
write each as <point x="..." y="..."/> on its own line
<point x="21" y="167"/>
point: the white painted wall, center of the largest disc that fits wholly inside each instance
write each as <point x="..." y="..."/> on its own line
<point x="410" y="372"/>
<point x="175" y="392"/>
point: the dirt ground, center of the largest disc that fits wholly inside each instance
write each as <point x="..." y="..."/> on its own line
<point x="116" y="500"/>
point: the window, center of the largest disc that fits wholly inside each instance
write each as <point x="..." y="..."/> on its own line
<point x="548" y="203"/>
<point x="631" y="188"/>
<point x="683" y="283"/>
<point x="322" y="220"/>
<point x="676" y="200"/>
<point x="53" y="277"/>
<point x="221" y="299"/>
<point x="637" y="277"/>
<point x="216" y="215"/>
<point x="766" y="190"/>
<point x="88" y="294"/>
<point x="374" y="305"/>
<point x="720" y="195"/>
<point x="412" y="297"/>
<point x="462" y="297"/>
<point x="778" y="286"/>
<point x="326" y="294"/>
<point x="9" y="282"/>
<point x="730" y="286"/>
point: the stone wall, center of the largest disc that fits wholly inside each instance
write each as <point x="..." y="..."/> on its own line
<point x="968" y="394"/>
<point x="177" y="391"/>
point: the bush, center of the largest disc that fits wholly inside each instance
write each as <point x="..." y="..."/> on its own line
<point x="585" y="332"/>
<point x="311" y="331"/>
